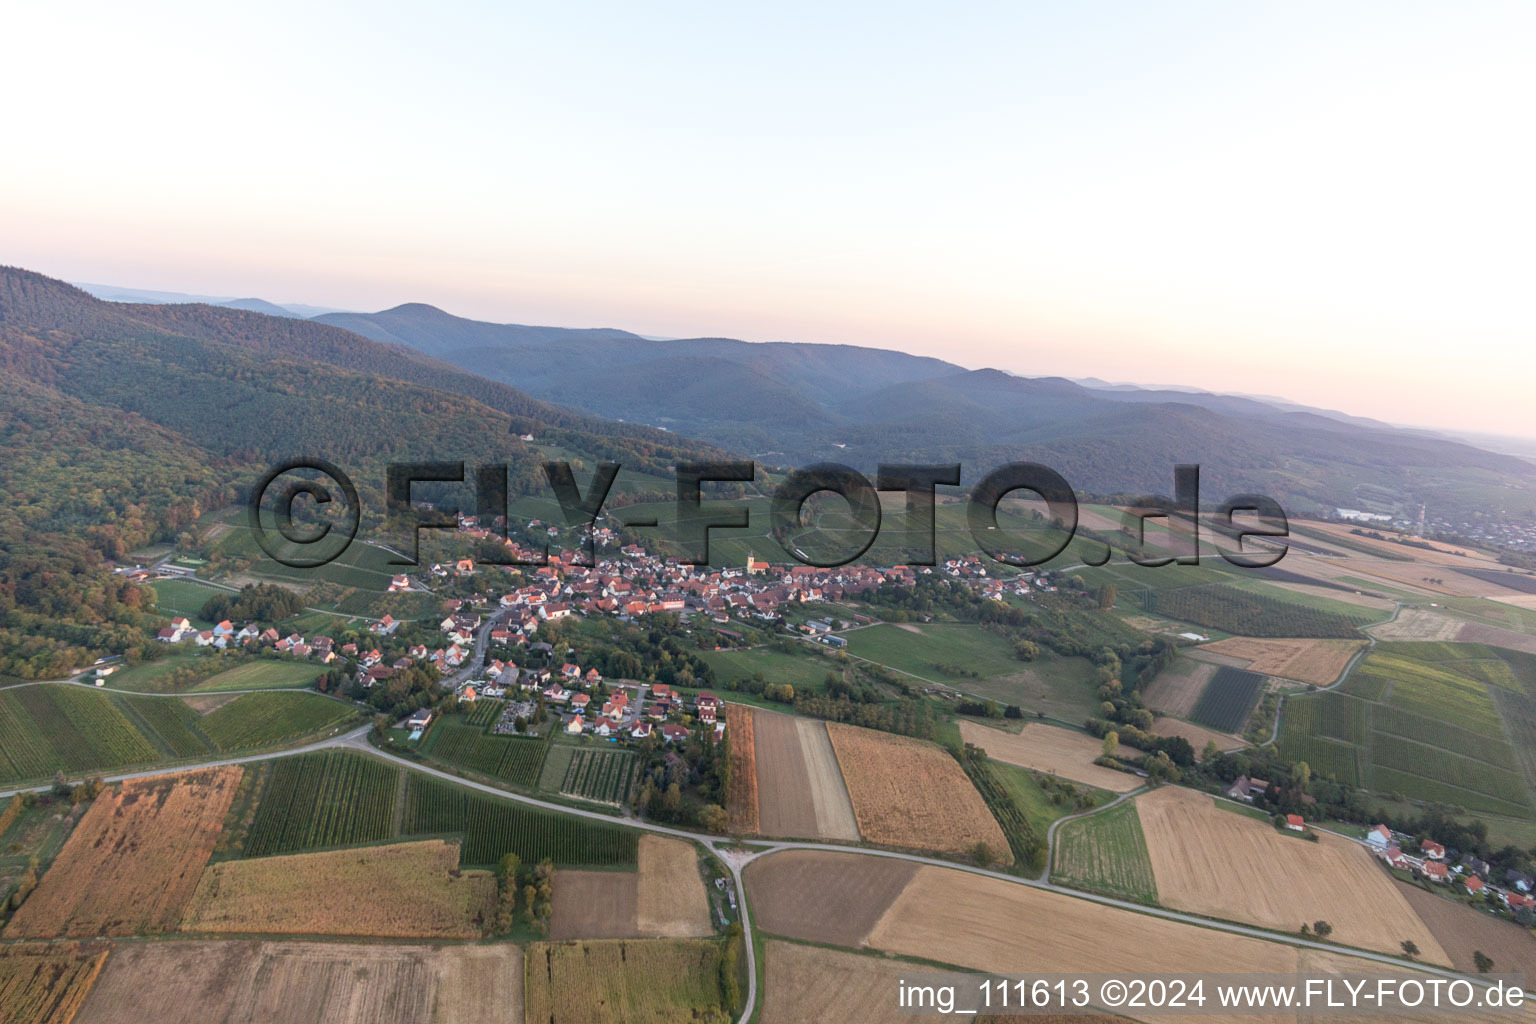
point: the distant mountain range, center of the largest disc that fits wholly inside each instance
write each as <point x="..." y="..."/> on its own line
<point x="112" y="293"/>
<point x="800" y="403"/>
<point x="792" y="404"/>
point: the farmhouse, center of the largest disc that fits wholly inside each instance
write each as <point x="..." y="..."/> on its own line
<point x="1295" y="823"/>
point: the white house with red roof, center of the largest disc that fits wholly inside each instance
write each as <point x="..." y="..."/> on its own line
<point x="1380" y="837"/>
<point x="1432" y="850"/>
<point x="1295" y="823"/>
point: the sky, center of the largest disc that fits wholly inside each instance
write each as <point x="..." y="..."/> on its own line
<point x="1328" y="202"/>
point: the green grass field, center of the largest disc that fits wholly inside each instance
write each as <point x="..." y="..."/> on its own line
<point x="184" y="597"/>
<point x="1106" y="852"/>
<point x="257" y="720"/>
<point x="1061" y="687"/>
<point x="1449" y="723"/>
<point x="804" y="671"/>
<point x="80" y="731"/>
<point x="264" y="675"/>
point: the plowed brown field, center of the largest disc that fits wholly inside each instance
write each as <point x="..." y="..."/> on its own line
<point x="1306" y="661"/>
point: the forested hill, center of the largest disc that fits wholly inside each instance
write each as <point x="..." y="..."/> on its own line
<point x="120" y="424"/>
<point x="801" y="403"/>
<point x="219" y="393"/>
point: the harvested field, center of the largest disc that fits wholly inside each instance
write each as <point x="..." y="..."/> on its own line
<point x="595" y="905"/>
<point x="672" y="903"/>
<point x="1461" y="930"/>
<point x="1178" y="687"/>
<point x="823" y="896"/>
<point x="833" y="803"/>
<point x="208" y="702"/>
<point x="1307" y="661"/>
<point x="807" y="985"/>
<point x="990" y="925"/>
<point x="1193" y="845"/>
<point x="787" y="789"/>
<point x="1418" y="624"/>
<point x="913" y="794"/>
<point x="1049" y="749"/>
<point x="46" y="983"/>
<point x="133" y="861"/>
<point x="1334" y="594"/>
<point x="646" y="981"/>
<point x="664" y="899"/>
<point x="742" y="800"/>
<point x="1476" y="632"/>
<point x="1197" y="735"/>
<point x="408" y="890"/>
<point x="303" y="982"/>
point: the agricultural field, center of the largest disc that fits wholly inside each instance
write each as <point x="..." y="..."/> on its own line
<point x="1460" y="930"/>
<point x="512" y="759"/>
<point x="1419" y="624"/>
<point x="741" y="801"/>
<point x="625" y="981"/>
<point x="604" y="775"/>
<point x="672" y="902"/>
<point x="492" y="827"/>
<point x="324" y="799"/>
<point x="38" y="832"/>
<point x="185" y="597"/>
<point x="80" y="730"/>
<point x="1061" y="687"/>
<point x="1242" y="611"/>
<point x="800" y="788"/>
<point x="823" y="896"/>
<point x="196" y="982"/>
<point x="263" y="674"/>
<point x="1178" y="687"/>
<point x="1193" y="845"/>
<point x="46" y="983"/>
<point x="1197" y="735"/>
<point x="1106" y="852"/>
<point x="1228" y="700"/>
<point x="259" y="720"/>
<point x="805" y="671"/>
<point x="133" y="861"/>
<point x="484" y="712"/>
<point x="1052" y="750"/>
<point x="1319" y="662"/>
<point x="664" y="899"/>
<point x="408" y="890"/>
<point x="913" y="794"/>
<point x="1444" y="722"/>
<point x="809" y="985"/>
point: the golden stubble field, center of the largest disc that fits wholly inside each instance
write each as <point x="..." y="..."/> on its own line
<point x="800" y="788"/>
<point x="913" y="794"/>
<point x="196" y="982"/>
<point x="1220" y="863"/>
<point x="1049" y="749"/>
<point x="405" y="890"/>
<point x="133" y="861"/>
<point x="1307" y="661"/>
<point x="624" y="981"/>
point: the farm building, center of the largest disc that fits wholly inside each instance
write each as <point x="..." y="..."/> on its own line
<point x="1295" y="823"/>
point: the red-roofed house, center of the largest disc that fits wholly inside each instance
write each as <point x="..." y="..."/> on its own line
<point x="1474" y="884"/>
<point x="1435" y="871"/>
<point x="1432" y="850"/>
<point x="1295" y="823"/>
<point x="1379" y="837"/>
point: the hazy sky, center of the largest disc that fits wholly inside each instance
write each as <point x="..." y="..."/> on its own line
<point x="1328" y="201"/>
